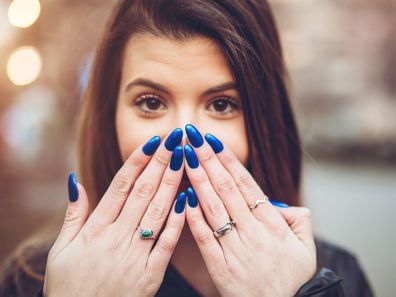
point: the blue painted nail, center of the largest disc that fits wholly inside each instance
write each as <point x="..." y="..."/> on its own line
<point x="191" y="157"/>
<point x="279" y="204"/>
<point x="192" y="198"/>
<point x="194" y="136"/>
<point x="180" y="202"/>
<point x="174" y="139"/>
<point x="72" y="187"/>
<point x="177" y="158"/>
<point x="214" y="143"/>
<point x="151" y="146"/>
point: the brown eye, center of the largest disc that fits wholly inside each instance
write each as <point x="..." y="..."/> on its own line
<point x="150" y="104"/>
<point x="153" y="104"/>
<point x="223" y="106"/>
<point x="220" y="105"/>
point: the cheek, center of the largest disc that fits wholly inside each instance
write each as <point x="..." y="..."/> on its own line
<point x="235" y="140"/>
<point x="132" y="132"/>
<point x="239" y="146"/>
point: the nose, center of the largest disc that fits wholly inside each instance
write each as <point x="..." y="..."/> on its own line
<point x="185" y="115"/>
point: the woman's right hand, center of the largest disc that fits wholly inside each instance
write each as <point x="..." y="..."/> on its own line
<point x="102" y="254"/>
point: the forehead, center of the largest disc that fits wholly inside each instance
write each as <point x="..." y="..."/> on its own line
<point x="146" y="54"/>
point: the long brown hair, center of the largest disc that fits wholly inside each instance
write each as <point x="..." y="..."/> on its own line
<point x="247" y="33"/>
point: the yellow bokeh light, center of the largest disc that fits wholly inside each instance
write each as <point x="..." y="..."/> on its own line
<point x="23" y="13"/>
<point x="24" y="65"/>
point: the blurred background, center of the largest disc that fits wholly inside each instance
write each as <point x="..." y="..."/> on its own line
<point x="341" y="55"/>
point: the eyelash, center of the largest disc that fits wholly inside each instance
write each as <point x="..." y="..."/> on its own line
<point x="232" y="102"/>
<point x="143" y="98"/>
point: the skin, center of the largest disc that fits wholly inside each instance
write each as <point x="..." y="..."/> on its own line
<point x="278" y="248"/>
<point x="186" y="69"/>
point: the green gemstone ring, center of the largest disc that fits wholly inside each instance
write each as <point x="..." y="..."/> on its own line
<point x="146" y="233"/>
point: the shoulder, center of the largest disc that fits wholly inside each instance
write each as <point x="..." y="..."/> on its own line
<point x="22" y="274"/>
<point x="346" y="265"/>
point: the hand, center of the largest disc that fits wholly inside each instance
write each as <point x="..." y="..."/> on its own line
<point x="269" y="252"/>
<point x="103" y="254"/>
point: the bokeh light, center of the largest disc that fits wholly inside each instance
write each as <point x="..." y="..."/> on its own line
<point x="23" y="13"/>
<point x="24" y="65"/>
<point x="25" y="122"/>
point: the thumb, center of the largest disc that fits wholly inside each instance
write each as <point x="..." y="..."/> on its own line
<point x="76" y="215"/>
<point x="300" y="222"/>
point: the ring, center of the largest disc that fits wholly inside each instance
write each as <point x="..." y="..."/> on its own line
<point x="224" y="229"/>
<point x="264" y="200"/>
<point x="146" y="233"/>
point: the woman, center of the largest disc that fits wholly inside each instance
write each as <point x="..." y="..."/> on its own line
<point x="187" y="99"/>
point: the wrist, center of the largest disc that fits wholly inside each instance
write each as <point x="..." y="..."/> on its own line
<point x="324" y="280"/>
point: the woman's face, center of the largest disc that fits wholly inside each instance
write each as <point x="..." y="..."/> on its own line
<point x="167" y="84"/>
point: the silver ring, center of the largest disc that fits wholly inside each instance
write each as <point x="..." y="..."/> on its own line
<point x="146" y="233"/>
<point x="264" y="200"/>
<point x="224" y="229"/>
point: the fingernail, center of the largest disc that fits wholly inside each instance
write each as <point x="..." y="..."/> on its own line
<point x="180" y="202"/>
<point x="279" y="204"/>
<point x="214" y="143"/>
<point x="192" y="198"/>
<point x="151" y="146"/>
<point x="194" y="136"/>
<point x="191" y="157"/>
<point x="72" y="187"/>
<point x="177" y="158"/>
<point x="174" y="139"/>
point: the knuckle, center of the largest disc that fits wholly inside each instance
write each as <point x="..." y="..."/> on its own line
<point x="227" y="157"/>
<point x="200" y="177"/>
<point x="156" y="212"/>
<point x="137" y="161"/>
<point x="161" y="159"/>
<point x="173" y="226"/>
<point x="167" y="245"/>
<point x="121" y="184"/>
<point x="71" y="219"/>
<point x="194" y="220"/>
<point x="203" y="237"/>
<point x="207" y="155"/>
<point x="216" y="209"/>
<point x="170" y="180"/>
<point x="244" y="181"/>
<point x="143" y="189"/>
<point x="225" y="187"/>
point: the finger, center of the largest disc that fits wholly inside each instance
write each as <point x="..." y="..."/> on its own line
<point x="161" y="254"/>
<point x="219" y="177"/>
<point x="210" y="248"/>
<point x="146" y="185"/>
<point x="245" y="182"/>
<point x="76" y="215"/>
<point x="158" y="209"/>
<point x="299" y="220"/>
<point x="114" y="199"/>
<point x="213" y="208"/>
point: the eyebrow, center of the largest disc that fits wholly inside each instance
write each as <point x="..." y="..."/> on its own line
<point x="156" y="86"/>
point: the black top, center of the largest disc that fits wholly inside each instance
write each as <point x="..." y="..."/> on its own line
<point x="344" y="275"/>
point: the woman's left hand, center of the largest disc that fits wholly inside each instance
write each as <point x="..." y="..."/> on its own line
<point x="269" y="252"/>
